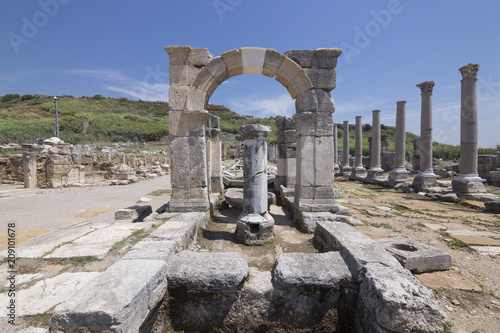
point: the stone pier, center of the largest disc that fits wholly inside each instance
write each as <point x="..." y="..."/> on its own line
<point x="358" y="171"/>
<point x="426" y="175"/>
<point x="468" y="180"/>
<point x="255" y="225"/>
<point x="345" y="169"/>
<point x="399" y="173"/>
<point x="375" y="171"/>
<point x="29" y="161"/>
<point x="336" y="168"/>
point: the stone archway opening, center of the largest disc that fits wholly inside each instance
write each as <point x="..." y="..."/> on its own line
<point x="308" y="76"/>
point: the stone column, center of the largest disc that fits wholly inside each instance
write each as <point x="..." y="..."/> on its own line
<point x="375" y="171"/>
<point x="255" y="225"/>
<point x="286" y="153"/>
<point x="346" y="168"/>
<point x="29" y="161"/>
<point x="336" y="168"/>
<point x="188" y="126"/>
<point x="216" y="185"/>
<point x="426" y="175"/>
<point x="359" y="170"/>
<point x="468" y="180"/>
<point x="399" y="173"/>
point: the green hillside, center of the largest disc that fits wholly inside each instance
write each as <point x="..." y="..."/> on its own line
<point x="28" y="117"/>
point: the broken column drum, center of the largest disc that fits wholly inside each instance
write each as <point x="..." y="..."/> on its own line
<point x="358" y="170"/>
<point x="255" y="225"/>
<point x="426" y="175"/>
<point x="399" y="173"/>
<point x="346" y="168"/>
<point x="468" y="180"/>
<point x="375" y="170"/>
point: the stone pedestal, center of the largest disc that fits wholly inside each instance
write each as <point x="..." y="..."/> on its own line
<point x="255" y="225"/>
<point x="426" y="175"/>
<point x="375" y="172"/>
<point x="468" y="180"/>
<point x="29" y="161"/>
<point x="336" y="167"/>
<point x="399" y="173"/>
<point x="359" y="170"/>
<point x="345" y="169"/>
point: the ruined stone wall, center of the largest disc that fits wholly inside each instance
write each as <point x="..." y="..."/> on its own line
<point x="65" y="165"/>
<point x="486" y="164"/>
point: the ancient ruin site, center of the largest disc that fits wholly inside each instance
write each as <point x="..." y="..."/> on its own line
<point x="304" y="234"/>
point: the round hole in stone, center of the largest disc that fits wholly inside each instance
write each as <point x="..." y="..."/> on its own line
<point x="404" y="247"/>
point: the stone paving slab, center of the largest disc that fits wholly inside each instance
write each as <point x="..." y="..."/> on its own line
<point x="474" y="233"/>
<point x="37" y="247"/>
<point x="448" y="280"/>
<point x="477" y="240"/>
<point x="435" y="226"/>
<point x="487" y="250"/>
<point x="99" y="242"/>
<point x="371" y="232"/>
<point x="118" y="300"/>
<point x="47" y="293"/>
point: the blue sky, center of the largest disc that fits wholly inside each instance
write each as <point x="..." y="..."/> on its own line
<point x="115" y="48"/>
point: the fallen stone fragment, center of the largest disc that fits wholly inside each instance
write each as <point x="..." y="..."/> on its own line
<point x="415" y="256"/>
<point x="133" y="214"/>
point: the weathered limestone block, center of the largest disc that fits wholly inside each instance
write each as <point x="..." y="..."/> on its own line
<point x="177" y="97"/>
<point x="309" y="220"/>
<point x="133" y="214"/>
<point x="357" y="248"/>
<point x="182" y="229"/>
<point x="308" y="148"/>
<point x="272" y="62"/>
<point x="415" y="256"/>
<point x="317" y="124"/>
<point x="305" y="58"/>
<point x="307" y="286"/>
<point x="150" y="249"/>
<point x="322" y="78"/>
<point x="233" y="61"/>
<point x="118" y="300"/>
<point x="327" y="57"/>
<point x="203" y="288"/>
<point x="199" y="57"/>
<point x="398" y="302"/>
<point x="217" y="67"/>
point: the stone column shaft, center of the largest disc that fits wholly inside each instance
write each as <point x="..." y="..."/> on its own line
<point x="336" y="168"/>
<point x="426" y="174"/>
<point x="358" y="170"/>
<point x="346" y="168"/>
<point x="399" y="172"/>
<point x="29" y="161"/>
<point x="375" y="171"/>
<point x="468" y="180"/>
<point x="254" y="225"/>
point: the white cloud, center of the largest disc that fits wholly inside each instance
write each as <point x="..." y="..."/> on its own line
<point x="282" y="105"/>
<point x="114" y="80"/>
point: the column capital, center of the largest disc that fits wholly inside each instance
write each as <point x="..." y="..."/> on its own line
<point x="401" y="102"/>
<point x="426" y="86"/>
<point x="376" y="111"/>
<point x="469" y="71"/>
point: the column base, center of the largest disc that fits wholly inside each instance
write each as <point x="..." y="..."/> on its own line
<point x="358" y="173"/>
<point x="425" y="179"/>
<point x="398" y="175"/>
<point x="188" y="205"/>
<point x="468" y="183"/>
<point x="374" y="175"/>
<point x="345" y="170"/>
<point x="254" y="229"/>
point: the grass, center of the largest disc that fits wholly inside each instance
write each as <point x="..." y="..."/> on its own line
<point x="133" y="238"/>
<point x="158" y="193"/>
<point x="455" y="243"/>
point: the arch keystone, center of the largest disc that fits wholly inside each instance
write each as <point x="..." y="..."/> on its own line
<point x="253" y="59"/>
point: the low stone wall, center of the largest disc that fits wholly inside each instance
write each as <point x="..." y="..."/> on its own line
<point x="486" y="164"/>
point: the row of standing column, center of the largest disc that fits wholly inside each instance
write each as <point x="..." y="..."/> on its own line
<point x="468" y="180"/>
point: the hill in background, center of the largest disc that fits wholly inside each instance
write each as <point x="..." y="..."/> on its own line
<point x="28" y="117"/>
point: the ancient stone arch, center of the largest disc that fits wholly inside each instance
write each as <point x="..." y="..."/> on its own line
<point x="308" y="75"/>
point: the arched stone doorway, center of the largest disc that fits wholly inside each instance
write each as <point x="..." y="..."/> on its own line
<point x="308" y="75"/>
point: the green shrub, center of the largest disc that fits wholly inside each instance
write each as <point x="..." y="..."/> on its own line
<point x="98" y="97"/>
<point x="26" y="97"/>
<point x="9" y="97"/>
